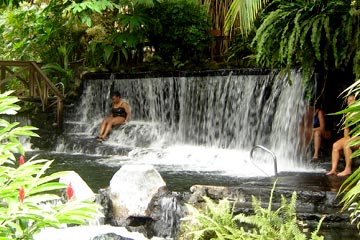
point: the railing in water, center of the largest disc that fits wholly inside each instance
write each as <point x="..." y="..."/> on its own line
<point x="39" y="87"/>
<point x="267" y="150"/>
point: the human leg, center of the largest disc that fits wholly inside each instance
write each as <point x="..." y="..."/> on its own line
<point x="335" y="154"/>
<point x="112" y="122"/>
<point x="103" y="127"/>
<point x="317" y="143"/>
<point x="348" y="161"/>
<point x="305" y="139"/>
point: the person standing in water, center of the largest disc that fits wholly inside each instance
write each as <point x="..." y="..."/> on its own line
<point x="342" y="145"/>
<point x="318" y="130"/>
<point x="312" y="129"/>
<point x="120" y="113"/>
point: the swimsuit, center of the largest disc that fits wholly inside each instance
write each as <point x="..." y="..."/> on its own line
<point x="316" y="123"/>
<point x="119" y="112"/>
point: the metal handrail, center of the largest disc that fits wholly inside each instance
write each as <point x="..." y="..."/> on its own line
<point x="267" y="150"/>
<point x="56" y="85"/>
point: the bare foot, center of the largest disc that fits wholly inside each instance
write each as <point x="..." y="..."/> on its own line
<point x="331" y="173"/>
<point x="344" y="173"/>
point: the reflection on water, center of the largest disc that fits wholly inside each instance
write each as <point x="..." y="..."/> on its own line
<point x="96" y="175"/>
<point x="97" y="171"/>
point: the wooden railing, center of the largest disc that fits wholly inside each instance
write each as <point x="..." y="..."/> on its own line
<point x="38" y="86"/>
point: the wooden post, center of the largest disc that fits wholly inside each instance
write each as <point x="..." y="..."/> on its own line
<point x="31" y="81"/>
<point x="59" y="117"/>
<point x="2" y="86"/>
<point x="45" y="96"/>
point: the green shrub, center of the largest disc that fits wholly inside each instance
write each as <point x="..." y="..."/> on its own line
<point x="41" y="34"/>
<point x="29" y="199"/>
<point x="180" y="30"/>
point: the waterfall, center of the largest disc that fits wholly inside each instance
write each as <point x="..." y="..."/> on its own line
<point x="198" y="121"/>
<point x="23" y="120"/>
<point x="171" y="211"/>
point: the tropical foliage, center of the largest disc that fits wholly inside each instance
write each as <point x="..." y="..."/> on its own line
<point x="350" y="189"/>
<point x="117" y="37"/>
<point x="218" y="221"/>
<point x="247" y="12"/>
<point x="350" y="192"/>
<point x="9" y="3"/>
<point x="39" y="33"/>
<point x="30" y="199"/>
<point x="306" y="33"/>
<point x="103" y="34"/>
<point x="180" y="30"/>
<point x="310" y="34"/>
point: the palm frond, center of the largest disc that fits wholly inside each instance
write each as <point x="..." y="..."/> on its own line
<point x="247" y="10"/>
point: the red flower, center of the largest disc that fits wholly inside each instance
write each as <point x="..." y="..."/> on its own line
<point x="69" y="191"/>
<point x="21" y="194"/>
<point x="21" y="160"/>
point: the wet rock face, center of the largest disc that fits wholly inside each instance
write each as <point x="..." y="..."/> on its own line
<point x="309" y="205"/>
<point x="167" y="211"/>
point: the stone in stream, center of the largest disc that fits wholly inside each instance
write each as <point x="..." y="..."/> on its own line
<point x="132" y="190"/>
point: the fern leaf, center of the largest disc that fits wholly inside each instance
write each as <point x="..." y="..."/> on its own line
<point x="334" y="47"/>
<point x="316" y="36"/>
<point x="314" y="235"/>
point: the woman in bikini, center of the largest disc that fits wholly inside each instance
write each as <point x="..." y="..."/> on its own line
<point x="120" y="113"/>
<point x="342" y="145"/>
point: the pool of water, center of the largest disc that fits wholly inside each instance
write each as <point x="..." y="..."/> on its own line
<point x="97" y="171"/>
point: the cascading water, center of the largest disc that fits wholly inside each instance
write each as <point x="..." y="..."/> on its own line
<point x="168" y="222"/>
<point x="194" y="123"/>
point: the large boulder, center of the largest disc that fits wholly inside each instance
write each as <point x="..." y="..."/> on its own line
<point x="132" y="190"/>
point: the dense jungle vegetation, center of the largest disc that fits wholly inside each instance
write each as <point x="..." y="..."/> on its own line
<point x="70" y="37"/>
<point x="123" y="36"/>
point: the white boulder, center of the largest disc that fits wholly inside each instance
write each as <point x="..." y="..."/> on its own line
<point x="132" y="189"/>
